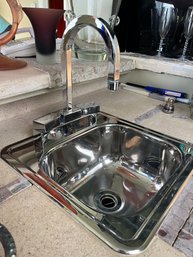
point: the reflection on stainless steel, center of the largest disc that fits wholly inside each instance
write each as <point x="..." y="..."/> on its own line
<point x="115" y="177"/>
<point x="7" y="241"/>
<point x="111" y="43"/>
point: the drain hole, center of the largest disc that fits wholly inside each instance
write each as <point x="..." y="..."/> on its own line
<point x="60" y="170"/>
<point x="60" y="174"/>
<point x="153" y="162"/>
<point x="107" y="201"/>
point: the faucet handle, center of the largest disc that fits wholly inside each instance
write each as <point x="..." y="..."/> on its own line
<point x="88" y="108"/>
<point x="169" y="106"/>
<point x="52" y="120"/>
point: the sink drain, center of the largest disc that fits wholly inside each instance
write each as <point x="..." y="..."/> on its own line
<point x="107" y="201"/>
<point x="152" y="161"/>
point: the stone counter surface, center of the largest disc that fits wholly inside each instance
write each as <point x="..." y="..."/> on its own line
<point x="42" y="228"/>
<point x="22" y="81"/>
<point x="38" y="79"/>
<point x="82" y="70"/>
<point x="161" y="64"/>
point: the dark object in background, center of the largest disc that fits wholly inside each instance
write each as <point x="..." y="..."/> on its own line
<point x="181" y="4"/>
<point x="58" y="4"/>
<point x="138" y="28"/>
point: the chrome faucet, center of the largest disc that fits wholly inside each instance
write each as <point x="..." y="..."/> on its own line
<point x="52" y="120"/>
<point x="111" y="43"/>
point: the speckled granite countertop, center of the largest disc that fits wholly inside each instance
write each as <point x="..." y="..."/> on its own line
<point x="41" y="228"/>
<point x="82" y="70"/>
<point x="46" y="77"/>
<point x="161" y="65"/>
<point x="36" y="78"/>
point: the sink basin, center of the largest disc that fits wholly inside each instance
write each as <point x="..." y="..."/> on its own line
<point x="112" y="168"/>
<point x="117" y="178"/>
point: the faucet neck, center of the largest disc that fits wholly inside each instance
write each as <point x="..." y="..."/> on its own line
<point x="110" y="41"/>
<point x="69" y="78"/>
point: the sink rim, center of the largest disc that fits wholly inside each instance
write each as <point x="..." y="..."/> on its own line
<point x="78" y="210"/>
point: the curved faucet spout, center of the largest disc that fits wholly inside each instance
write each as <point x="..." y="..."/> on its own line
<point x="112" y="47"/>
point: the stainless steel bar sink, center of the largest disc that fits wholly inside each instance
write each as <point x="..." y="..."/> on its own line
<point x="115" y="177"/>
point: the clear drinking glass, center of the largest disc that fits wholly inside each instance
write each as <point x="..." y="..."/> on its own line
<point x="89" y="44"/>
<point x="188" y="30"/>
<point x="165" y="21"/>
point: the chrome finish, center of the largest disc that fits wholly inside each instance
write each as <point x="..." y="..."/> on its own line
<point x="111" y="43"/>
<point x="7" y="241"/>
<point x="48" y="122"/>
<point x="169" y="106"/>
<point x="52" y="120"/>
<point x="48" y="126"/>
<point x="115" y="177"/>
<point x="88" y="108"/>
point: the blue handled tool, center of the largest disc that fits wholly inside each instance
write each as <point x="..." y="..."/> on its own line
<point x="161" y="91"/>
